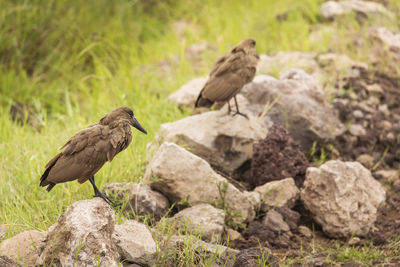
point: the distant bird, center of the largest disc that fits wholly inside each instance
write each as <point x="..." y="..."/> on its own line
<point x="87" y="151"/>
<point x="229" y="74"/>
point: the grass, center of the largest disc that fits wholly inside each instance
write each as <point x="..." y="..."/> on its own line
<point x="74" y="62"/>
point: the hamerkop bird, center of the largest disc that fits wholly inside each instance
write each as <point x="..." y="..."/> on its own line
<point x="87" y="151"/>
<point x="229" y="74"/>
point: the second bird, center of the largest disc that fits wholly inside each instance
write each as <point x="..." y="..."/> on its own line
<point x="87" y="151"/>
<point x="229" y="74"/>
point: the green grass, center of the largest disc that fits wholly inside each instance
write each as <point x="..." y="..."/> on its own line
<point x="74" y="61"/>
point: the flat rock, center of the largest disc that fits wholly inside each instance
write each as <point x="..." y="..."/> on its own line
<point x="135" y="243"/>
<point x="142" y="200"/>
<point x="332" y="9"/>
<point x="181" y="175"/>
<point x="343" y="198"/>
<point x="82" y="236"/>
<point x="225" y="141"/>
<point x="281" y="193"/>
<point x="297" y="101"/>
<point x="203" y="219"/>
<point x="24" y="247"/>
<point x="188" y="93"/>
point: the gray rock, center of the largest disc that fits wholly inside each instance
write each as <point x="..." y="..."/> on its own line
<point x="23" y="248"/>
<point x="281" y="193"/>
<point x="142" y="200"/>
<point x="332" y="9"/>
<point x="299" y="103"/>
<point x="275" y="222"/>
<point x="304" y="231"/>
<point x="354" y="241"/>
<point x="135" y="242"/>
<point x="366" y="160"/>
<point x="225" y="141"/>
<point x="254" y="257"/>
<point x="357" y="130"/>
<point x="82" y="236"/>
<point x="343" y="198"/>
<point x="188" y="93"/>
<point x="182" y="175"/>
<point x="203" y="219"/>
<point x="7" y="262"/>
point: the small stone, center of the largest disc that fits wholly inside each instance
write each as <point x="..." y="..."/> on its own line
<point x="233" y="234"/>
<point x="354" y="241"/>
<point x="391" y="176"/>
<point x="385" y="125"/>
<point x="358" y="114"/>
<point x="366" y="160"/>
<point x="305" y="231"/>
<point x="275" y="222"/>
<point x="256" y="256"/>
<point x="282" y="193"/>
<point x="357" y="130"/>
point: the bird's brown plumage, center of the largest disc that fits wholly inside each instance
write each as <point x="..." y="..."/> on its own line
<point x="87" y="151"/>
<point x="229" y="74"/>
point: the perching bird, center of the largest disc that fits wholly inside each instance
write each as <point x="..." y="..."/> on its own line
<point x="87" y="151"/>
<point x="229" y="74"/>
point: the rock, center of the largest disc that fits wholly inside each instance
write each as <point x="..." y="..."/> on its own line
<point x="142" y="200"/>
<point x="282" y="193"/>
<point x="135" y="242"/>
<point x="343" y="198"/>
<point x="357" y="130"/>
<point x="297" y="101"/>
<point x="332" y="9"/>
<point x="254" y="257"/>
<point x="233" y="234"/>
<point x="290" y="217"/>
<point x="82" y="236"/>
<point x="354" y="241"/>
<point x="366" y="160"/>
<point x="304" y="231"/>
<point x="386" y="38"/>
<point x="224" y="256"/>
<point x="277" y="157"/>
<point x="391" y="176"/>
<point x="24" y="247"/>
<point x="7" y="262"/>
<point x="275" y="222"/>
<point x="225" y="141"/>
<point x="182" y="175"/>
<point x="203" y="219"/>
<point x="188" y="93"/>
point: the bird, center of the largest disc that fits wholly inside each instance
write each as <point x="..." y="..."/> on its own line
<point x="229" y="74"/>
<point x="85" y="153"/>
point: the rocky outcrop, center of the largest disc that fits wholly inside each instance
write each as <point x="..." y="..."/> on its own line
<point x="277" y="157"/>
<point x="296" y="101"/>
<point x="141" y="199"/>
<point x="188" y="93"/>
<point x="135" y="243"/>
<point x="181" y="175"/>
<point x="343" y="198"/>
<point x="225" y="141"/>
<point x="24" y="247"/>
<point x="332" y="9"/>
<point x="203" y="219"/>
<point x="82" y="236"/>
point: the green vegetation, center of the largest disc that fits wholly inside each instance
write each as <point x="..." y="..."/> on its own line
<point x="73" y="61"/>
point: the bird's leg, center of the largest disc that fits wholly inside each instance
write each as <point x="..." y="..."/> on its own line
<point x="229" y="108"/>
<point x="237" y="109"/>
<point x="97" y="192"/>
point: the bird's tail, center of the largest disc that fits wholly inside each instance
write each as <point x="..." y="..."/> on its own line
<point x="43" y="179"/>
<point x="203" y="102"/>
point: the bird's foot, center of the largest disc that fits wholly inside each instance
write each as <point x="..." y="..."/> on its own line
<point x="106" y="199"/>
<point x="241" y="114"/>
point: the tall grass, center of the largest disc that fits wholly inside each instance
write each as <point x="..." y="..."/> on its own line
<point x="76" y="60"/>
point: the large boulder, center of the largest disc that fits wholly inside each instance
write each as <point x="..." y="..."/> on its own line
<point x="277" y="157"/>
<point x="225" y="141"/>
<point x="82" y="236"/>
<point x="141" y="199"/>
<point x="188" y="93"/>
<point x="181" y="175"/>
<point x="343" y="198"/>
<point x="24" y="247"/>
<point x="282" y="193"/>
<point x="332" y="9"/>
<point x="135" y="243"/>
<point x="296" y="101"/>
<point x="203" y="219"/>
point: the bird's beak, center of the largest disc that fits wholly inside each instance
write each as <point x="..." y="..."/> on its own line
<point x="137" y="125"/>
<point x="256" y="55"/>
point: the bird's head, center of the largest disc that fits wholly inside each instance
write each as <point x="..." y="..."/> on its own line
<point x="248" y="46"/>
<point x="122" y="113"/>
